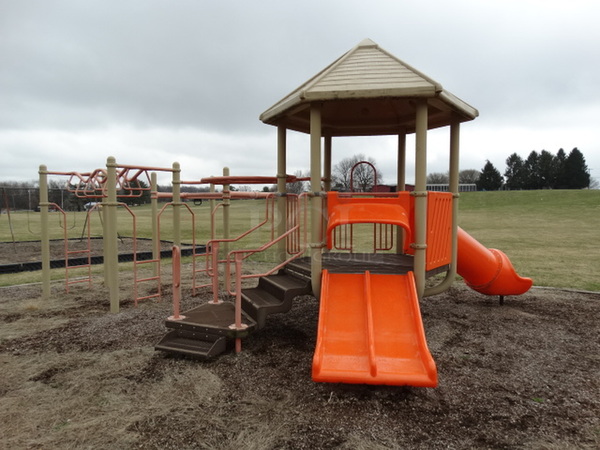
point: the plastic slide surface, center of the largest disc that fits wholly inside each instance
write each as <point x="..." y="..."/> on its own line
<point x="370" y="331"/>
<point x="488" y="270"/>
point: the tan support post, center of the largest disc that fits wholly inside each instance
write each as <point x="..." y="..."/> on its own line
<point x="281" y="189"/>
<point x="226" y="205"/>
<point x="454" y="172"/>
<point x="401" y="173"/>
<point x="154" y="212"/>
<point x="111" y="258"/>
<point x="316" y="202"/>
<point x="401" y="183"/>
<point x="327" y="164"/>
<point x="45" y="236"/>
<point x="104" y="220"/>
<point x="176" y="204"/>
<point x="326" y="177"/>
<point x="420" y="193"/>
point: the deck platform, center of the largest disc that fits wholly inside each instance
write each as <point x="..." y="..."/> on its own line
<point x="376" y="263"/>
<point x="380" y="263"/>
<point x="217" y="318"/>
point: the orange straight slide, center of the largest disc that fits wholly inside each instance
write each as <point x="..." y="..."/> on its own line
<point x="370" y="331"/>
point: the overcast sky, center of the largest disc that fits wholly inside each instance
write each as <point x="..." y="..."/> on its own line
<point x="156" y="81"/>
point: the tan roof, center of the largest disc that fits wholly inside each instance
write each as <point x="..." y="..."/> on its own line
<point x="367" y="91"/>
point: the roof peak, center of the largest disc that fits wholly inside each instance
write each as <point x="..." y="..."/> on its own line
<point x="367" y="43"/>
<point x="367" y="73"/>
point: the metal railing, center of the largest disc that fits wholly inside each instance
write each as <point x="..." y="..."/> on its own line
<point x="213" y="247"/>
<point x="296" y="234"/>
<point x="384" y="234"/>
<point x="157" y="260"/>
<point x="85" y="253"/>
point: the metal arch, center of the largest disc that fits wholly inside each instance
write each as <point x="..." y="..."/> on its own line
<point x="352" y="174"/>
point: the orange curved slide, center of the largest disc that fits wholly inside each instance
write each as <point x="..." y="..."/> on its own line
<point x="488" y="270"/>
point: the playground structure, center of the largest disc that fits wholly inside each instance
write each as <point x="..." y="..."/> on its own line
<point x="370" y="328"/>
<point x="100" y="187"/>
<point x="101" y="194"/>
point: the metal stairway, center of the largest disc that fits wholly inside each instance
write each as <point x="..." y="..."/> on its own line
<point x="206" y="331"/>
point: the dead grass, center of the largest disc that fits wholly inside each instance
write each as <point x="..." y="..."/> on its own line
<point x="519" y="376"/>
<point x="74" y="376"/>
<point x="79" y="400"/>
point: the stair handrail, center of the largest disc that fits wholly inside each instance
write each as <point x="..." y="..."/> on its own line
<point x="238" y="260"/>
<point x="239" y="254"/>
<point x="212" y="249"/>
<point x="237" y="257"/>
<point x="301" y="223"/>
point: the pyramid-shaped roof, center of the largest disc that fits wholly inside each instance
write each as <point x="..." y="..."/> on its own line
<point x="367" y="91"/>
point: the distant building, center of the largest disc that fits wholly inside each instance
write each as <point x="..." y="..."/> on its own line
<point x="471" y="187"/>
<point x="392" y="188"/>
<point x="430" y="187"/>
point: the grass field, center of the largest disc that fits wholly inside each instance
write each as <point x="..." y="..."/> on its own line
<point x="551" y="236"/>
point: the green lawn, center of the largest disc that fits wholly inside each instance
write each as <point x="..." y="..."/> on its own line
<point x="551" y="236"/>
<point x="26" y="225"/>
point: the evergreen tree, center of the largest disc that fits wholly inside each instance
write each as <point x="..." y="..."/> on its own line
<point x="532" y="171"/>
<point x="515" y="172"/>
<point x="577" y="175"/>
<point x="547" y="170"/>
<point x="490" y="178"/>
<point x="561" y="160"/>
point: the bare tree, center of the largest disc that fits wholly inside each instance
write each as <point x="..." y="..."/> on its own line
<point x="468" y="176"/>
<point x="297" y="187"/>
<point x="438" y="178"/>
<point x="363" y="176"/>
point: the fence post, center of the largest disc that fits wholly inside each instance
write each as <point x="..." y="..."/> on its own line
<point x="45" y="236"/>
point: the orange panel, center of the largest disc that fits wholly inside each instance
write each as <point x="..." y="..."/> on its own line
<point x="347" y="210"/>
<point x="439" y="229"/>
<point x="370" y="331"/>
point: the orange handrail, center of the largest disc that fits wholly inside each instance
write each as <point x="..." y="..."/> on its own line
<point x="212" y="247"/>
<point x="193" y="216"/>
<point x="68" y="252"/>
<point x="237" y="256"/>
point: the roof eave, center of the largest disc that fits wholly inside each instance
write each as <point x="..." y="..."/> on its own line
<point x="460" y="106"/>
<point x="304" y="98"/>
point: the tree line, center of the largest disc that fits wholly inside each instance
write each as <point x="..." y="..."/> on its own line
<point x="542" y="170"/>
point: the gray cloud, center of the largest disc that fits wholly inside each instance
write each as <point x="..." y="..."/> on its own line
<point x="192" y="69"/>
